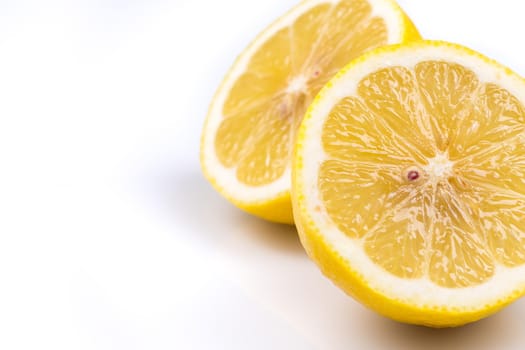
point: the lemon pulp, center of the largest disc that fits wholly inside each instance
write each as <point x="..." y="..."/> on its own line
<point x="425" y="170"/>
<point x="267" y="102"/>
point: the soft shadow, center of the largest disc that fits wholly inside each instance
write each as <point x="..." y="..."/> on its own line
<point x="193" y="203"/>
<point x="500" y="331"/>
<point x="274" y="236"/>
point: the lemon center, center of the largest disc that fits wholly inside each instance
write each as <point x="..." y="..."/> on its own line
<point x="439" y="168"/>
<point x="297" y="85"/>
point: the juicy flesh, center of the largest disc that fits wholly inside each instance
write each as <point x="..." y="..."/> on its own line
<point x="267" y="102"/>
<point x="462" y="216"/>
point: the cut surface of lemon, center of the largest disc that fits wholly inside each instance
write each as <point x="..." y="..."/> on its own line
<point x="250" y="130"/>
<point x="409" y="183"/>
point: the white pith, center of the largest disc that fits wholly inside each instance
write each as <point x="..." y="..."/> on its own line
<point x="226" y="178"/>
<point x="420" y="292"/>
<point x="439" y="168"/>
<point x="297" y="85"/>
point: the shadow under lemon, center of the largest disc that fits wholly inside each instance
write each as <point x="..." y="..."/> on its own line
<point x="500" y="331"/>
<point x="214" y="221"/>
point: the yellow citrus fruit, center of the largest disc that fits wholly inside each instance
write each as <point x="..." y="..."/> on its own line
<point x="409" y="183"/>
<point x="250" y="130"/>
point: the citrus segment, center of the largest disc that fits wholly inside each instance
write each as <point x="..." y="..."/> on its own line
<point x="446" y="89"/>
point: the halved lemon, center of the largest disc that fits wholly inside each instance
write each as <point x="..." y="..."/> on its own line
<point x="409" y="183"/>
<point x="250" y="130"/>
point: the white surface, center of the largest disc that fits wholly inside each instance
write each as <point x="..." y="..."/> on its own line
<point x="109" y="236"/>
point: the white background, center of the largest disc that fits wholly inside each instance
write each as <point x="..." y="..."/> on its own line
<point x="110" y="238"/>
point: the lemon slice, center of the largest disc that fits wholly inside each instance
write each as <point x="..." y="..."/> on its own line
<point x="250" y="130"/>
<point x="409" y="183"/>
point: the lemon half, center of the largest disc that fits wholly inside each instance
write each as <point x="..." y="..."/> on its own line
<point x="252" y="122"/>
<point x="409" y="183"/>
